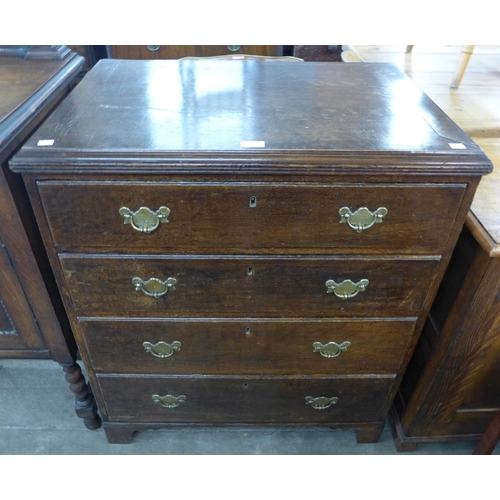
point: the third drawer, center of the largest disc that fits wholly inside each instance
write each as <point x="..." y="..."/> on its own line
<point x="247" y="347"/>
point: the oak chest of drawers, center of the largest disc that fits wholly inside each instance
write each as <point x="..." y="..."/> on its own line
<point x="248" y="242"/>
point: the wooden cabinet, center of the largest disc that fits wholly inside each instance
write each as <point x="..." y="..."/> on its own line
<point x="33" y="324"/>
<point x="90" y="53"/>
<point x="232" y="253"/>
<point x="179" y="51"/>
<point x="452" y="388"/>
<point x="33" y="81"/>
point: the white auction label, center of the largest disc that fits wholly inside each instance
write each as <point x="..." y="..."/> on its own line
<point x="252" y="144"/>
<point x="45" y="142"/>
<point x="457" y="145"/>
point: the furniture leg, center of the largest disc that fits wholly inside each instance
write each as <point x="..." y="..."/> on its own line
<point x="402" y="445"/>
<point x="119" y="434"/>
<point x="370" y="433"/>
<point x="462" y="64"/>
<point x="85" y="405"/>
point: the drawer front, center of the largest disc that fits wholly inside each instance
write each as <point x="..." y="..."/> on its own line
<point x="246" y="287"/>
<point x="179" y="51"/>
<point x="247" y="347"/>
<point x="249" y="218"/>
<point x="245" y="400"/>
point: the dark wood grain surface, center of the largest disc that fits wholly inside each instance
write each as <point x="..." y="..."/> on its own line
<point x="206" y="106"/>
<point x="239" y="400"/>
<point x="248" y="346"/>
<point x="26" y="86"/>
<point x="30" y="88"/>
<point x="223" y="287"/>
<point x="179" y="51"/>
<point x="219" y="218"/>
<point x="451" y="390"/>
<point x="329" y="134"/>
<point x="19" y="330"/>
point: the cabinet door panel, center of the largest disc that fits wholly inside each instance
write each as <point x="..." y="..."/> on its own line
<point x="17" y="324"/>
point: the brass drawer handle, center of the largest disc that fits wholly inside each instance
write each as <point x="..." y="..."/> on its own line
<point x="347" y="289"/>
<point x="145" y="220"/>
<point x="362" y="219"/>
<point x="330" y="350"/>
<point x="153" y="286"/>
<point x="169" y="401"/>
<point x="234" y="48"/>
<point x="162" y="349"/>
<point x="321" y="403"/>
<point x="153" y="48"/>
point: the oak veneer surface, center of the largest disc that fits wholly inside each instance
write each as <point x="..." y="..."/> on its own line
<point x="208" y="106"/>
<point x="247" y="346"/>
<point x="29" y="90"/>
<point x="224" y="286"/>
<point x="246" y="149"/>
<point x="295" y="217"/>
<point x="242" y="400"/>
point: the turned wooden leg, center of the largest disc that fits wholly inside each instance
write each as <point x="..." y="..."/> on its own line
<point x="118" y="434"/>
<point x="370" y="433"/>
<point x="85" y="406"/>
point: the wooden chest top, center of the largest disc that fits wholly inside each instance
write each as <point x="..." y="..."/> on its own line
<point x="255" y="114"/>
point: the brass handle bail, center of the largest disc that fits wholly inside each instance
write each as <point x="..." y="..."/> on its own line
<point x="169" y="401"/>
<point x="362" y="219"/>
<point x="153" y="286"/>
<point x="144" y="219"/>
<point x="330" y="350"/>
<point x="347" y="289"/>
<point x="321" y="403"/>
<point x="162" y="349"/>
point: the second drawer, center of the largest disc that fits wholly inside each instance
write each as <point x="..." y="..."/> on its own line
<point x="247" y="347"/>
<point x="172" y="286"/>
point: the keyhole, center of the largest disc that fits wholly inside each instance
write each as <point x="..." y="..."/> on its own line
<point x="253" y="201"/>
<point x="247" y="331"/>
<point x="245" y="385"/>
<point x="250" y="271"/>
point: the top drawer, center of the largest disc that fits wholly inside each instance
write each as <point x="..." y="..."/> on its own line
<point x="250" y="217"/>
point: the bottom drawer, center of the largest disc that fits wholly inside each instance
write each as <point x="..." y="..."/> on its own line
<point x="246" y="399"/>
